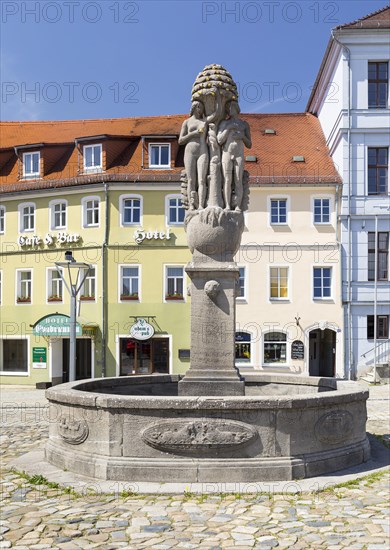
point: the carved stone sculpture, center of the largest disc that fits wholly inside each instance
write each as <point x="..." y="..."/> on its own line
<point x="215" y="193"/>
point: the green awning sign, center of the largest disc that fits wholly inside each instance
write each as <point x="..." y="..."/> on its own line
<point x="57" y="325"/>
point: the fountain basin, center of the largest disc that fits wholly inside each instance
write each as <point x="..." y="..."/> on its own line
<point x="138" y="429"/>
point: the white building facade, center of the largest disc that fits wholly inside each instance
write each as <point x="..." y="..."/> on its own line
<point x="351" y="100"/>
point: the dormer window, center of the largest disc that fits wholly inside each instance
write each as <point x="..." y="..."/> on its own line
<point x="31" y="165"/>
<point x="159" y="155"/>
<point x="93" y="158"/>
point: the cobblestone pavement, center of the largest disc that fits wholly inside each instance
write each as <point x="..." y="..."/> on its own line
<point x="37" y="515"/>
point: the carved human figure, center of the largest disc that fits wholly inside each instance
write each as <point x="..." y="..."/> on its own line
<point x="193" y="135"/>
<point x="233" y="135"/>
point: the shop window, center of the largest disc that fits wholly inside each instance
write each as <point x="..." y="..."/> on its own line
<point x="138" y="357"/>
<point x="243" y="348"/>
<point x="275" y="348"/>
<point x="13" y="355"/>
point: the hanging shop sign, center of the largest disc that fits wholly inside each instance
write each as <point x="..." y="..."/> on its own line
<point x="297" y="350"/>
<point x="140" y="235"/>
<point x="49" y="239"/>
<point x="141" y="330"/>
<point x="39" y="357"/>
<point x="55" y="325"/>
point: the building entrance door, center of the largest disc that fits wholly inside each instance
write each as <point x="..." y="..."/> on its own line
<point x="83" y="359"/>
<point x="138" y="357"/>
<point x="322" y="352"/>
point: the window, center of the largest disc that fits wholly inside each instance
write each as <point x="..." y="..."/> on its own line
<point x="382" y="256"/>
<point x="131" y="211"/>
<point x="159" y="156"/>
<point x="88" y="288"/>
<point x="2" y="219"/>
<point x="129" y="283"/>
<point x="278" y="211"/>
<point x="174" y="283"/>
<point x="378" y="84"/>
<point x="377" y="170"/>
<point x="24" y="285"/>
<point x="58" y="214"/>
<point x="91" y="207"/>
<point x="321" y="211"/>
<point x="14" y="355"/>
<point x="31" y="165"/>
<point x="278" y="283"/>
<point x="243" y="348"/>
<point x="275" y="348"/>
<point x="176" y="211"/>
<point x="322" y="282"/>
<point x="241" y="283"/>
<point x="54" y="286"/>
<point x="92" y="158"/>
<point x="382" y="327"/>
<point x="27" y="217"/>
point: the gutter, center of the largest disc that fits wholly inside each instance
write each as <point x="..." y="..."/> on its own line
<point x="104" y="280"/>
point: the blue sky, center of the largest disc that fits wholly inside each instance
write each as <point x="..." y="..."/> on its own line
<point x="105" y="59"/>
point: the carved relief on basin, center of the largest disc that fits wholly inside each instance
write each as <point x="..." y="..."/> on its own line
<point x="334" y="427"/>
<point x="192" y="436"/>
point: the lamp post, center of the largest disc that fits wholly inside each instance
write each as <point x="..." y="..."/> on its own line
<point x="70" y="265"/>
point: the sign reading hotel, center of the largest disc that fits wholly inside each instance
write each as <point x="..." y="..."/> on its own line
<point x="140" y="235"/>
<point x="49" y="239"/>
<point x="55" y="325"/>
<point x="141" y="330"/>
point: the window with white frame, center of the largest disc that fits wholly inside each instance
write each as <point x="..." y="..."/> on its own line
<point x="58" y="214"/>
<point x="88" y="288"/>
<point x="321" y="210"/>
<point x="176" y="210"/>
<point x="242" y="283"/>
<point x="278" y="214"/>
<point x="91" y="211"/>
<point x="31" y="163"/>
<point x="54" y="285"/>
<point x="174" y="284"/>
<point x="24" y="286"/>
<point x="27" y="217"/>
<point x="13" y="355"/>
<point x="131" y="210"/>
<point x="159" y="155"/>
<point x="130" y="282"/>
<point x="2" y="219"/>
<point x="278" y="279"/>
<point x="92" y="158"/>
<point x="322" y="283"/>
<point x="243" y="348"/>
<point x="275" y="348"/>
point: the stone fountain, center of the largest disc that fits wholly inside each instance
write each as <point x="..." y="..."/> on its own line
<point x="210" y="425"/>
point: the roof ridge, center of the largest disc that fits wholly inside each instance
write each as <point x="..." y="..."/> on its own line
<point x="364" y="17"/>
<point x="88" y="120"/>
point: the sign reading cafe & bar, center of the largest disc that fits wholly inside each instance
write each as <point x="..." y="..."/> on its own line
<point x="55" y="325"/>
<point x="49" y="239"/>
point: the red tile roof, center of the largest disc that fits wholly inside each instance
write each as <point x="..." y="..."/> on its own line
<point x="375" y="20"/>
<point x="297" y="134"/>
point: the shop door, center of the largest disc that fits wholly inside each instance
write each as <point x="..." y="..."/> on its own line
<point x="144" y="357"/>
<point x="322" y="352"/>
<point x="83" y="359"/>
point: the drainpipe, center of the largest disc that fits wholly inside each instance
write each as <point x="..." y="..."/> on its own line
<point x="104" y="281"/>
<point x="347" y="53"/>
<point x="375" y="293"/>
